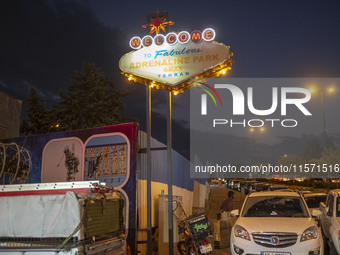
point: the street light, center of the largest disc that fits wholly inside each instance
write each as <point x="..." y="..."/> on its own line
<point x="257" y="129"/>
<point x="328" y="90"/>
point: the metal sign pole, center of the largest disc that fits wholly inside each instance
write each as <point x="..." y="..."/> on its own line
<point x="149" y="168"/>
<point x="169" y="141"/>
<point x="149" y="19"/>
<point x="143" y="51"/>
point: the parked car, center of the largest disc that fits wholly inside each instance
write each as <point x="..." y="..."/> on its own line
<point x="276" y="187"/>
<point x="313" y="200"/>
<point x="250" y="186"/>
<point x="275" y="223"/>
<point x="227" y="183"/>
<point x="302" y="192"/>
<point x="330" y="218"/>
<point x="240" y="184"/>
<point x="284" y="190"/>
<point x="214" y="181"/>
<point x="234" y="184"/>
<point x="262" y="186"/>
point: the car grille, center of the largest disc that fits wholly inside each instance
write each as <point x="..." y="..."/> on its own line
<point x="279" y="240"/>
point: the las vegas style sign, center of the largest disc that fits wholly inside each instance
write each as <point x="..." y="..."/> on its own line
<point x="175" y="61"/>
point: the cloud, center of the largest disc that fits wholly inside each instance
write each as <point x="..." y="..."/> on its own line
<point x="3" y="84"/>
<point x="45" y="42"/>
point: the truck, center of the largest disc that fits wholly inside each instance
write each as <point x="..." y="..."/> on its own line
<point x="68" y="218"/>
<point x="330" y="217"/>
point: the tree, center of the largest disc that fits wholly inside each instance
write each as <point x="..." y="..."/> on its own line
<point x="330" y="159"/>
<point x="287" y="160"/>
<point x="291" y="161"/>
<point x="330" y="156"/>
<point x="91" y="100"/>
<point x="312" y="150"/>
<point x="38" y="118"/>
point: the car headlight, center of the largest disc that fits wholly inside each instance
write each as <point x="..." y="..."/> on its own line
<point x="241" y="232"/>
<point x="309" y="233"/>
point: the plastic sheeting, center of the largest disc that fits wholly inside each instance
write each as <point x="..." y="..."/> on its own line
<point x="40" y="216"/>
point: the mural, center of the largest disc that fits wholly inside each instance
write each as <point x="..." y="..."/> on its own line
<point x="15" y="164"/>
<point x="62" y="160"/>
<point x="107" y="158"/>
<point x="108" y="154"/>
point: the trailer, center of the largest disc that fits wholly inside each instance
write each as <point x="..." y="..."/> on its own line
<point x="68" y="218"/>
<point x="107" y="154"/>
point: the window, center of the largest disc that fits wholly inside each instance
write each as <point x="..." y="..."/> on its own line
<point x="278" y="206"/>
<point x="338" y="207"/>
<point x="330" y="204"/>
<point x="314" y="201"/>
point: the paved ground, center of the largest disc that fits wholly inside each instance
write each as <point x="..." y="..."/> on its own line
<point x="218" y="194"/>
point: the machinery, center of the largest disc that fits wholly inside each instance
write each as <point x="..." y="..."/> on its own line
<point x="61" y="218"/>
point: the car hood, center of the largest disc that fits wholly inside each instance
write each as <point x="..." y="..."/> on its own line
<point x="277" y="224"/>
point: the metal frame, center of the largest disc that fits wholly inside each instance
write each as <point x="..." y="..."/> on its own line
<point x="48" y="188"/>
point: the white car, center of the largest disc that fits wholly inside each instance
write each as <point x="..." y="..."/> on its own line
<point x="313" y="200"/>
<point x="276" y="187"/>
<point x="275" y="223"/>
<point x="330" y="219"/>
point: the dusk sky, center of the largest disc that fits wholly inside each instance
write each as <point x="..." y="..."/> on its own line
<point x="44" y="42"/>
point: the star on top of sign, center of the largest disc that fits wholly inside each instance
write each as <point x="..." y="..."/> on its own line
<point x="158" y="24"/>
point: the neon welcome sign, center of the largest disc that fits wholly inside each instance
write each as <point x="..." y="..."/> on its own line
<point x="175" y="61"/>
<point x="172" y="38"/>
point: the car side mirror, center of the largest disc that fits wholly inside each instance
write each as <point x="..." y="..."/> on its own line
<point x="316" y="213"/>
<point x="235" y="213"/>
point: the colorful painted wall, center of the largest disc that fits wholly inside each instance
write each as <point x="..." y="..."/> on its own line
<point x="108" y="154"/>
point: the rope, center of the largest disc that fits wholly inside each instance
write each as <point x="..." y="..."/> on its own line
<point x="63" y="244"/>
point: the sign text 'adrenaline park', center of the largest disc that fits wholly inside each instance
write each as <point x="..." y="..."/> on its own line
<point x="176" y="61"/>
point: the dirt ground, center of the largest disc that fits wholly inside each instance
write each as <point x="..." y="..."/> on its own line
<point x="218" y="194"/>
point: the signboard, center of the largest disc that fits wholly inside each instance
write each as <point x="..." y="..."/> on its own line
<point x="176" y="61"/>
<point x="173" y="64"/>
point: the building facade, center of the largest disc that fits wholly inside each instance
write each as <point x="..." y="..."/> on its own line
<point x="10" y="110"/>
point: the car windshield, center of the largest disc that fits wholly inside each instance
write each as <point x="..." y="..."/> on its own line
<point x="274" y="206"/>
<point x="314" y="202"/>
